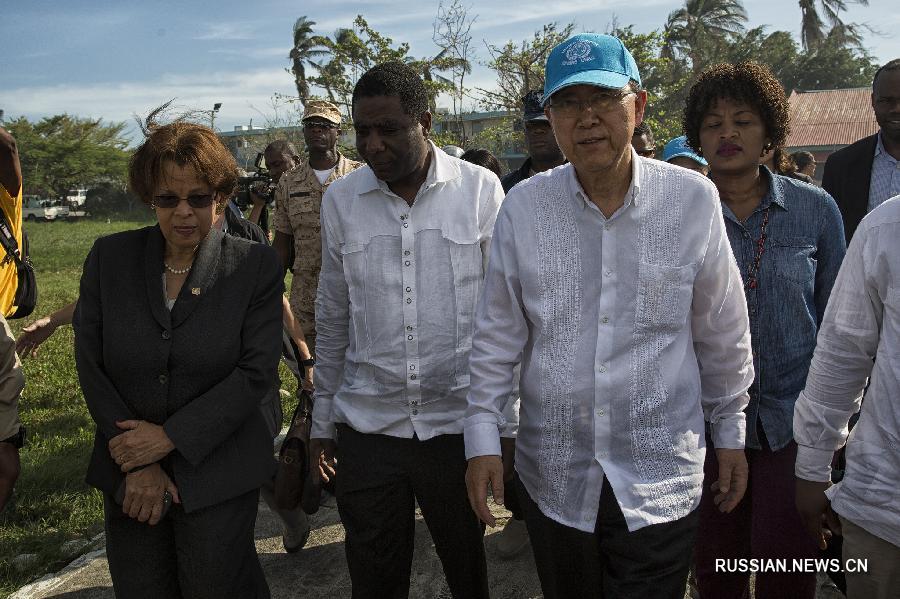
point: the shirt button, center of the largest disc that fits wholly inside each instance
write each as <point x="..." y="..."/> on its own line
<point x="406" y="263"/>
<point x="600" y="412"/>
<point x="166" y="335"/>
<point x="402" y="217"/>
<point x="412" y="366"/>
<point x="405" y="225"/>
<point x="602" y="369"/>
<point x="406" y="252"/>
<point x="408" y="289"/>
<point x="412" y="377"/>
<point x="163" y="379"/>
<point x="409" y="300"/>
<point x="604" y="320"/>
<point x="608" y="273"/>
<point x="409" y="327"/>
<point x="409" y="337"/>
<point x="415" y="412"/>
<point x="414" y="403"/>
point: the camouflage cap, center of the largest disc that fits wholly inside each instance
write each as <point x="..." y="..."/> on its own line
<point x="322" y="109"/>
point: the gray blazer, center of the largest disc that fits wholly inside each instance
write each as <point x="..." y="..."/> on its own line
<point x="199" y="371"/>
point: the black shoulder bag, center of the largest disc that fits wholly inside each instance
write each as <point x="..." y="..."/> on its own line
<point x="26" y="290"/>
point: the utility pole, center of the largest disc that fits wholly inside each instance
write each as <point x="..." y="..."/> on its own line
<point x="212" y="115"/>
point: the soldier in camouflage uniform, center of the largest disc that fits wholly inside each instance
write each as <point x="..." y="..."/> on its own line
<point x="297" y="201"/>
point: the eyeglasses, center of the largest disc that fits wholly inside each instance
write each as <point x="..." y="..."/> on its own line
<point x="647" y="152"/>
<point x="194" y="201"/>
<point x="319" y="125"/>
<point x="599" y="102"/>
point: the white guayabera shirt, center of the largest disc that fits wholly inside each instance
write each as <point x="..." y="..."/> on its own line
<point x="632" y="329"/>
<point x="862" y="322"/>
<point x="396" y="299"/>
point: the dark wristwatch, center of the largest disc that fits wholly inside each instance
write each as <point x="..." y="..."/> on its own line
<point x="308" y="363"/>
<point x="17" y="440"/>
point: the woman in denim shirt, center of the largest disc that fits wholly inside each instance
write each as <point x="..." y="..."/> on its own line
<point x="788" y="240"/>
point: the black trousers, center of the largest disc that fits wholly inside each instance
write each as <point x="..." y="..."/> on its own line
<point x="610" y="563"/>
<point x="207" y="554"/>
<point x="381" y="479"/>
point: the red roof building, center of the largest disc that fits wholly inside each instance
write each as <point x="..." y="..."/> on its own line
<point x="824" y="121"/>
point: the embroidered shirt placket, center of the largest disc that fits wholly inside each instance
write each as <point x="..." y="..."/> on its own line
<point x="410" y="312"/>
<point x="604" y="379"/>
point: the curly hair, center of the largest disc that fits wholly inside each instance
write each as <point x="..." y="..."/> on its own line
<point x="747" y="82"/>
<point x="394" y="79"/>
<point x="183" y="143"/>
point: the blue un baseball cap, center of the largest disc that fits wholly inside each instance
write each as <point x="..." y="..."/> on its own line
<point x="589" y="59"/>
<point x="679" y="147"/>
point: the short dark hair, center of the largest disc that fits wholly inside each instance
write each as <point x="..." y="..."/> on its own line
<point x="802" y="159"/>
<point x="747" y="82"/>
<point x="184" y="144"/>
<point x="643" y="129"/>
<point x="892" y="65"/>
<point x="394" y="79"/>
<point x="483" y="157"/>
<point x="282" y="146"/>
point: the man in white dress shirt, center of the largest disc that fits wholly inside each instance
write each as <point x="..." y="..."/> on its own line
<point x="405" y="241"/>
<point x="862" y="323"/>
<point x="613" y="279"/>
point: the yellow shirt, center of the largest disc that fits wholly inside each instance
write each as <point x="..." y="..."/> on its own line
<point x="12" y="208"/>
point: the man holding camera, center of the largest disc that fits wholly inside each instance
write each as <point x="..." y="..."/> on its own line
<point x="297" y="201"/>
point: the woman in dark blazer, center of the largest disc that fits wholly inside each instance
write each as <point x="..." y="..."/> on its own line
<point x="177" y="340"/>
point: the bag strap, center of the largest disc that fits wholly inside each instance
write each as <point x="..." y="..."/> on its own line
<point x="9" y="241"/>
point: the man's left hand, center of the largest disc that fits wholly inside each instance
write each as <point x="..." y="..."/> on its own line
<point x="815" y="511"/>
<point x="307" y="382"/>
<point x="143" y="443"/>
<point x="732" y="483"/>
<point x="483" y="471"/>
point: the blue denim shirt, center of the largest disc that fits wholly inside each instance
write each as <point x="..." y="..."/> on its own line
<point x="803" y="251"/>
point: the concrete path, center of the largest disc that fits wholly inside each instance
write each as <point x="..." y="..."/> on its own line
<point x="320" y="569"/>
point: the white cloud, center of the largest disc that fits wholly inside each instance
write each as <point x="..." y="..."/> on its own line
<point x="242" y="94"/>
<point x="226" y="31"/>
<point x="277" y="52"/>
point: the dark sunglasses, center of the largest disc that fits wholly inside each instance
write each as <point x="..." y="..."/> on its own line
<point x="319" y="125"/>
<point x="194" y="201"/>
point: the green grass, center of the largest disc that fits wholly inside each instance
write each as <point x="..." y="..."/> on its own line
<point x="52" y="504"/>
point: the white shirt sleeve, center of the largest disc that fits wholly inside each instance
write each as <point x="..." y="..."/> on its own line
<point x="843" y="360"/>
<point x="332" y="322"/>
<point x="721" y="334"/>
<point x="500" y="336"/>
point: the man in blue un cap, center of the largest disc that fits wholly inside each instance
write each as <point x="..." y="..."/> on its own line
<point x="612" y="281"/>
<point x="679" y="153"/>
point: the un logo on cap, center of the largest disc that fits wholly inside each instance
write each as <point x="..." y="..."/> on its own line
<point x="579" y="51"/>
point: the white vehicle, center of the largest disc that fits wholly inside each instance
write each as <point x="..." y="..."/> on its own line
<point x="35" y="208"/>
<point x="76" y="197"/>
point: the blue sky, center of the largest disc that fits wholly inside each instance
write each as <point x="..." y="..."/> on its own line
<point x="113" y="59"/>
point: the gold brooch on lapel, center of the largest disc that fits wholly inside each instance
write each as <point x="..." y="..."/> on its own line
<point x="195" y="290"/>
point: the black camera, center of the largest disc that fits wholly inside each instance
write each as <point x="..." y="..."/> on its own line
<point x="259" y="183"/>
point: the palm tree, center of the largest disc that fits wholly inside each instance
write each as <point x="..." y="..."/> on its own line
<point x="306" y="47"/>
<point x="430" y="68"/>
<point x="700" y="26"/>
<point x="813" y="29"/>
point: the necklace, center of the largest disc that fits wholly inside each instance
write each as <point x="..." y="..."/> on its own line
<point x="760" y="248"/>
<point x="177" y="271"/>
